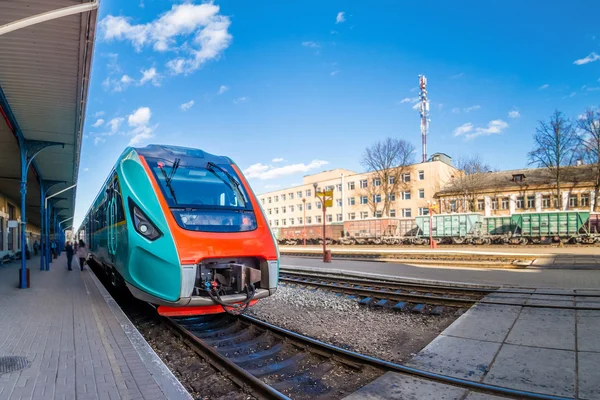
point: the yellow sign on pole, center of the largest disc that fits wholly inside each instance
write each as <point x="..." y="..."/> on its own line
<point x="329" y="193"/>
<point x="329" y="203"/>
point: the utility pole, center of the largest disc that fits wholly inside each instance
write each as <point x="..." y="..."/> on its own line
<point x="424" y="111"/>
<point x="304" y="220"/>
<point x="326" y="198"/>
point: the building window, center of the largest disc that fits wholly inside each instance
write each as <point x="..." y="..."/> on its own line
<point x="283" y="197"/>
<point x="338" y="217"/>
<point x="376" y="198"/>
<point x="319" y="219"/>
<point x="364" y="215"/>
<point x="391" y="180"/>
<point x="318" y="203"/>
<point x="308" y="192"/>
<point x="328" y="188"/>
<point x="494" y="204"/>
<point x="480" y="205"/>
<point x="291" y="195"/>
<point x="308" y="206"/>
<point x="276" y="210"/>
<point x="406" y="213"/>
<point x="391" y="197"/>
<point x="393" y="213"/>
<point x="309" y="220"/>
<point x="291" y="208"/>
<point x="406" y="195"/>
<point x="299" y="220"/>
<point x="546" y="202"/>
<point x="584" y="200"/>
<point x="338" y="202"/>
<point x="350" y="185"/>
<point x="351" y="201"/>
<point x="262" y="200"/>
<point x="269" y="211"/>
<point x="364" y="200"/>
<point x="421" y="175"/>
<point x="276" y="222"/>
<point x="269" y="200"/>
<point x="283" y="209"/>
<point x="338" y="187"/>
<point x="299" y="207"/>
<point x="283" y="221"/>
<point x="452" y="206"/>
<point x="276" y="199"/>
<point x="351" y="216"/>
<point x="556" y="205"/>
<point x="376" y="182"/>
<point x="421" y="193"/>
<point x="530" y="201"/>
<point x="377" y="214"/>
<point x="363" y="184"/>
<point x="299" y="194"/>
<point x="505" y="202"/>
<point x="423" y="211"/>
<point x="573" y="200"/>
<point x="406" y="177"/>
<point x="520" y="202"/>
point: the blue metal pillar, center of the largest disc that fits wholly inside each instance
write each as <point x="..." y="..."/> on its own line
<point x="42" y="224"/>
<point x="48" y="240"/>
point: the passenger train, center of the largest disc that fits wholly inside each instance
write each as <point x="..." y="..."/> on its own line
<point x="183" y="230"/>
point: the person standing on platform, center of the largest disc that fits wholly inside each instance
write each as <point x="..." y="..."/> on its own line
<point x="36" y="248"/>
<point x="53" y="249"/>
<point x="69" y="250"/>
<point x="81" y="253"/>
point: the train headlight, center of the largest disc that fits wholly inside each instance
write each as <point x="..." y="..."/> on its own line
<point x="142" y="223"/>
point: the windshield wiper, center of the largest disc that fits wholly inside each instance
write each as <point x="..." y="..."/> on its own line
<point x="169" y="178"/>
<point x="210" y="166"/>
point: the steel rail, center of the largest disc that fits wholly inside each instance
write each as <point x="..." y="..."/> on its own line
<point x="386" y="365"/>
<point x="241" y="377"/>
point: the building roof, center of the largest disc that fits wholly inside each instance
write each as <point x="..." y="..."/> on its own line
<point x="532" y="177"/>
<point x="44" y="78"/>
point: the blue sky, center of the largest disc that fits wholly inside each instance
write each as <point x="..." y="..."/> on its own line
<point x="290" y="88"/>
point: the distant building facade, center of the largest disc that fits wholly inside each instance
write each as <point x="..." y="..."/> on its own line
<point x="523" y="190"/>
<point x="357" y="196"/>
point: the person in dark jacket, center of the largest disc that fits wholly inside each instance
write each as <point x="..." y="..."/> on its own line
<point x="69" y="250"/>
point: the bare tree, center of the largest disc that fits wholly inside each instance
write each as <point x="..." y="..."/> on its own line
<point x="555" y="142"/>
<point x="471" y="180"/>
<point x="589" y="147"/>
<point x="387" y="161"/>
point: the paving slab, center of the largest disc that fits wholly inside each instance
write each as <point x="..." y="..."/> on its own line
<point x="589" y="375"/>
<point x="457" y="357"/>
<point x="488" y="322"/>
<point x="540" y="328"/>
<point x="588" y="331"/>
<point x="508" y="298"/>
<point x="534" y="369"/>
<point x="79" y="345"/>
<point x="392" y="386"/>
<point x="483" y="396"/>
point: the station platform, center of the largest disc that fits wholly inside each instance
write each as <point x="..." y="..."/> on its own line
<point x="73" y="341"/>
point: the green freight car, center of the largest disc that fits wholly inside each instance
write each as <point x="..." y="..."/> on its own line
<point x="456" y="228"/>
<point x="499" y="225"/>
<point x="550" y="226"/>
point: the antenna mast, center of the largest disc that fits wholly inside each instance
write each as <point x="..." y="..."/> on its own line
<point x="424" y="111"/>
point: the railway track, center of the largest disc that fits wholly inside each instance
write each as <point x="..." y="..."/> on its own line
<point x="428" y="298"/>
<point x="270" y="362"/>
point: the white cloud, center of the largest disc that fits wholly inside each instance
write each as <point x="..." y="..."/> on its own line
<point x="416" y="106"/>
<point x="98" y="123"/>
<point x="494" y="127"/>
<point x="278" y="159"/>
<point x="202" y="22"/>
<point x="139" y="117"/>
<point x="310" y="44"/>
<point x="150" y="75"/>
<point x="223" y="89"/>
<point x="187" y="106"/>
<point x="99" y="139"/>
<point x="86" y="169"/>
<point x="472" y="108"/>
<point x="334" y="73"/>
<point x="114" y="124"/>
<point x="457" y="75"/>
<point x="456" y="110"/>
<point x="264" y="172"/>
<point x="240" y="100"/>
<point x="341" y="17"/>
<point x="546" y="86"/>
<point x="117" y="85"/>
<point x="409" y="100"/>
<point x="590" y="58"/>
<point x="98" y="114"/>
<point x="514" y="114"/>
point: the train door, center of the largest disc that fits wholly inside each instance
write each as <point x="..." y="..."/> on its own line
<point x="111" y="214"/>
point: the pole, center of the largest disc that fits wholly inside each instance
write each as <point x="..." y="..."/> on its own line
<point x="324" y="234"/>
<point x="41" y="225"/>
<point x="304" y="220"/>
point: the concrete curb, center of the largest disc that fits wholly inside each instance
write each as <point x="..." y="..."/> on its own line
<point x="164" y="378"/>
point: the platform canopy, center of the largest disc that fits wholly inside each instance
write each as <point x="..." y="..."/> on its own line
<point x="44" y="78"/>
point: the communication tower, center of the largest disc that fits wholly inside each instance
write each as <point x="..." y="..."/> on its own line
<point x="424" y="111"/>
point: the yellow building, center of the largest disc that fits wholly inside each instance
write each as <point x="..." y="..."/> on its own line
<point x="522" y="190"/>
<point x="10" y="214"/>
<point x="357" y="196"/>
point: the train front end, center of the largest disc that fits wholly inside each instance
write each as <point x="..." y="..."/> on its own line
<point x="227" y="255"/>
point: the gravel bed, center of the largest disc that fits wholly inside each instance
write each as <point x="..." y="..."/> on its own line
<point x="379" y="332"/>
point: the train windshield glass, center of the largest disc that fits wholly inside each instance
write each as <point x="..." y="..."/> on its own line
<point x="207" y="199"/>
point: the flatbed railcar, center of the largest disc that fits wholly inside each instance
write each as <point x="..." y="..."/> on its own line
<point x="183" y="230"/>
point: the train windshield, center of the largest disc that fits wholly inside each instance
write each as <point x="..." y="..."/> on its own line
<point x="208" y="199"/>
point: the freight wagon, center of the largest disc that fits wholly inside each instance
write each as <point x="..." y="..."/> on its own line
<point x="314" y="234"/>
